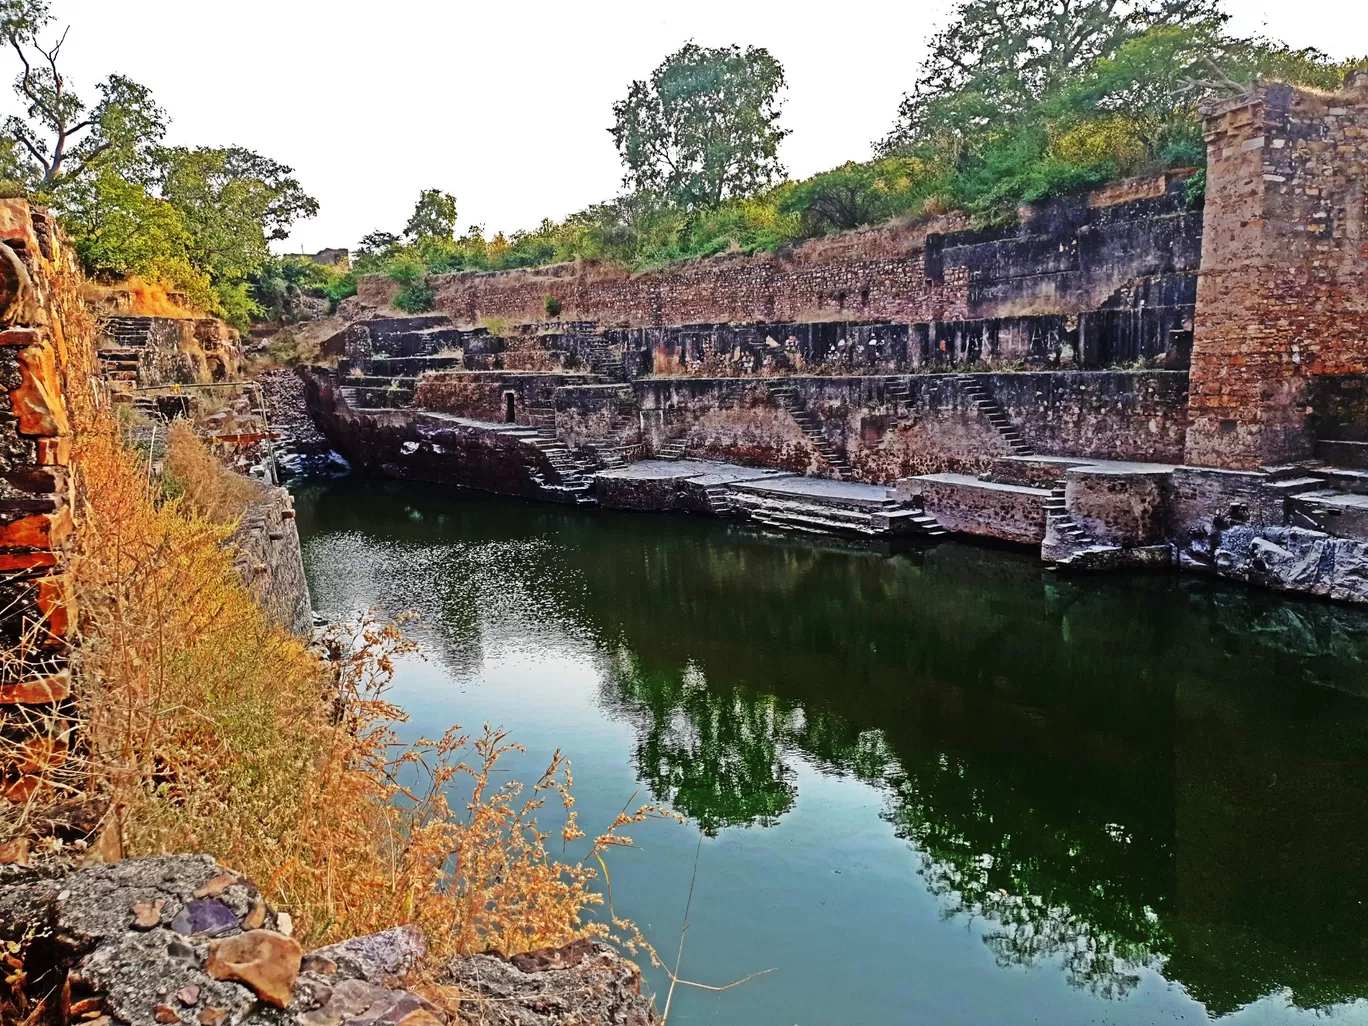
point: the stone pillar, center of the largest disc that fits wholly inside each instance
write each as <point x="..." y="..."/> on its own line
<point x="1282" y="297"/>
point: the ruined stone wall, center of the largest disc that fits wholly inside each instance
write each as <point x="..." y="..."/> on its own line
<point x="597" y="414"/>
<point x="890" y="428"/>
<point x="1094" y="280"/>
<point x="270" y="562"/>
<point x="483" y="395"/>
<point x="1120" y="415"/>
<point x="1283" y="293"/>
<point x="418" y="445"/>
<point x="36" y="608"/>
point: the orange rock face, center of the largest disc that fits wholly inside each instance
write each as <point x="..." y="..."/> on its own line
<point x="42" y="531"/>
<point x="38" y="399"/>
<point x="37" y="690"/>
<point x="266" y="961"/>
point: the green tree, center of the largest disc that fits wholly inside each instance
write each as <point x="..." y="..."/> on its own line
<point x="433" y="218"/>
<point x="705" y="127"/>
<point x="58" y="138"/>
<point x="856" y="194"/>
<point x="998" y="59"/>
<point x="120" y="230"/>
<point x="234" y="203"/>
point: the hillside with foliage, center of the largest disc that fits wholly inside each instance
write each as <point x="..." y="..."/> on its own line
<point x="1019" y="101"/>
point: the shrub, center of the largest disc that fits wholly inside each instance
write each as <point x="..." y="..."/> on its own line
<point x="553" y="307"/>
<point x="415" y="299"/>
<point x="201" y="481"/>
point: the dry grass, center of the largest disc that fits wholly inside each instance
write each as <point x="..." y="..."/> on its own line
<point x="215" y="731"/>
<point x="206" y="728"/>
<point x="207" y="488"/>
<point x="140" y="298"/>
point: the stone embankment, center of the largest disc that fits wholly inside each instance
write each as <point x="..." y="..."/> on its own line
<point x="182" y="940"/>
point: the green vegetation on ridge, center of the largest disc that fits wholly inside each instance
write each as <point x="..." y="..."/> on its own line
<point x="1019" y="101"/>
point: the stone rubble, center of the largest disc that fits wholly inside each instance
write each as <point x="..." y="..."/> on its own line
<point x="170" y="939"/>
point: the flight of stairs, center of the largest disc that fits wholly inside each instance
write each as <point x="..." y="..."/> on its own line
<point x="122" y="346"/>
<point x="989" y="408"/>
<point x="604" y="362"/>
<point x="900" y="392"/>
<point x="1057" y="515"/>
<point x="674" y="449"/>
<point x="571" y="479"/>
<point x="811" y="516"/>
<point x="719" y="500"/>
<point x="378" y="393"/>
<point x="787" y="397"/>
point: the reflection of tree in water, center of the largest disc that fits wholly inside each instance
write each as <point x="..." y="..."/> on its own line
<point x="981" y="867"/>
<point x="711" y="754"/>
<point x="1054" y="890"/>
<point x="1118" y="772"/>
<point x="715" y="754"/>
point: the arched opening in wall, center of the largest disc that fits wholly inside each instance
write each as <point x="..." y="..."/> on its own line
<point x="510" y="411"/>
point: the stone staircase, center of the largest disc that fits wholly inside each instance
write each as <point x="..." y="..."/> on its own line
<point x="787" y="396"/>
<point x="1064" y="524"/>
<point x="378" y="393"/>
<point x="674" y="449"/>
<point x="122" y="346"/>
<point x="830" y="517"/>
<point x="719" y="500"/>
<point x="610" y="455"/>
<point x="899" y="392"/>
<point x="988" y="407"/>
<point x="604" y="362"/>
<point x="1076" y="548"/>
<point x="572" y="479"/>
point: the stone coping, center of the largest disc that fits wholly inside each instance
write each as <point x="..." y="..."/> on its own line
<point x="820" y="489"/>
<point x="704" y="471"/>
<point x="969" y="481"/>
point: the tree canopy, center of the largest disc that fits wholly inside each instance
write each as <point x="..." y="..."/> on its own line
<point x="199" y="220"/>
<point x="705" y="127"/>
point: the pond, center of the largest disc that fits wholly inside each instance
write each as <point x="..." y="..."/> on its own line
<point x="938" y="786"/>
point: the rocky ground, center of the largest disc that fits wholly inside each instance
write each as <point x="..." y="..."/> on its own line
<point x="180" y="939"/>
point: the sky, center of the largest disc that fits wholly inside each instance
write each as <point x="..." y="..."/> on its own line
<point x="507" y="104"/>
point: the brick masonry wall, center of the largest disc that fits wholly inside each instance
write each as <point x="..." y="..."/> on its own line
<point x="36" y="608"/>
<point x="1282" y="296"/>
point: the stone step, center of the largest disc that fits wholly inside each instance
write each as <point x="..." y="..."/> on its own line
<point x="831" y="514"/>
<point x="1346" y="479"/>
<point x="1292" y="485"/>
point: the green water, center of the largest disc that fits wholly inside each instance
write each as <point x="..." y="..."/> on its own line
<point x="936" y="787"/>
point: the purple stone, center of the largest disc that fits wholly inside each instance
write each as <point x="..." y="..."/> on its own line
<point x="206" y="916"/>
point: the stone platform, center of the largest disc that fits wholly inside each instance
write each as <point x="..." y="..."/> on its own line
<point x="987" y="509"/>
<point x="772" y="498"/>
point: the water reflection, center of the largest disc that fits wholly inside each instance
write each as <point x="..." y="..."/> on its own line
<point x="1117" y="773"/>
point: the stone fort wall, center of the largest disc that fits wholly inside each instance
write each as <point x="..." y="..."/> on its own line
<point x="1281" y="342"/>
<point x="37" y="611"/>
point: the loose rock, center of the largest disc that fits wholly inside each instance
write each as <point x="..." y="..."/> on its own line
<point x="266" y="961"/>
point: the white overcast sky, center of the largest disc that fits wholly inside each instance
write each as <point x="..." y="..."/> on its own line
<point x="506" y="104"/>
